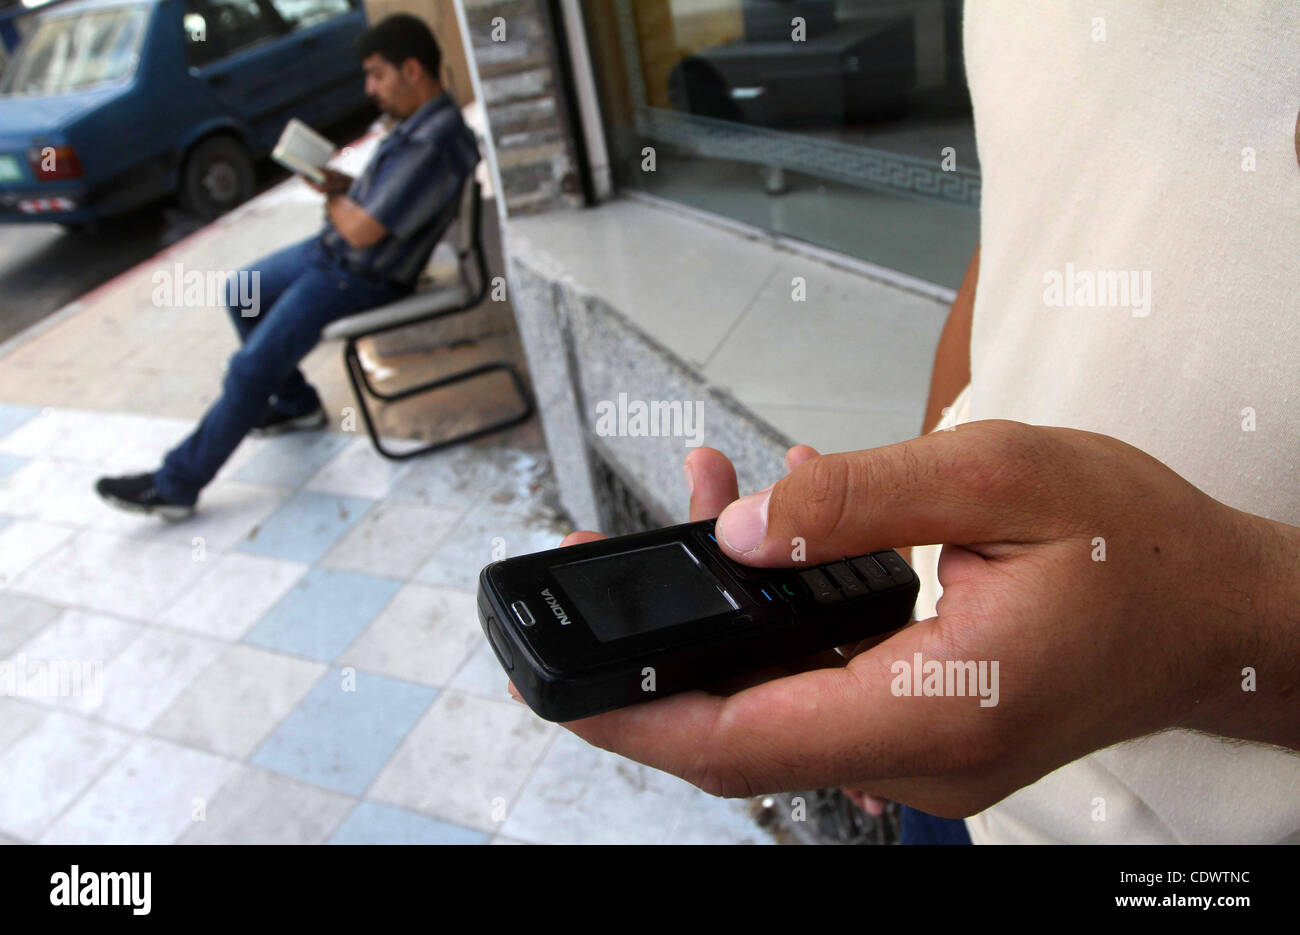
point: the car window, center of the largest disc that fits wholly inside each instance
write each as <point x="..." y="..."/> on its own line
<point x="71" y="52"/>
<point x="303" y="13"/>
<point x="216" y="28"/>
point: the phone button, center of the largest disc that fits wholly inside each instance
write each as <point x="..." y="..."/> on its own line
<point x="849" y="583"/>
<point x="893" y="563"/>
<point x="823" y="591"/>
<point x="499" y="643"/>
<point x="789" y="588"/>
<point x="877" y="577"/>
<point x="784" y="585"/>
<point x="709" y="541"/>
<point x="522" y="613"/>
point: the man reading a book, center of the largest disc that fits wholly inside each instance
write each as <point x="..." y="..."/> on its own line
<point x="379" y="232"/>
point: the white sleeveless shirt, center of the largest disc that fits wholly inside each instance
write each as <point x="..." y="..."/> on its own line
<point x="1139" y="273"/>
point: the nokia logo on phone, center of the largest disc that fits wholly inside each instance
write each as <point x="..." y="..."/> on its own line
<point x="555" y="607"/>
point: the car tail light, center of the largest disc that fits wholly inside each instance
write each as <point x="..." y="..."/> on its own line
<point x="54" y="162"/>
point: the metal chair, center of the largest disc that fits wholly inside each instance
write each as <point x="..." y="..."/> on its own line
<point x="425" y="305"/>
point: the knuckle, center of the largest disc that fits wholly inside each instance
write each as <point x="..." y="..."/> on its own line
<point x="1006" y="453"/>
<point x="820" y="495"/>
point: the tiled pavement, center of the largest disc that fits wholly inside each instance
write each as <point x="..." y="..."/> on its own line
<point x="300" y="662"/>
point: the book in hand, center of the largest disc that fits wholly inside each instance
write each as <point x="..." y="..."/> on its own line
<point x="301" y="149"/>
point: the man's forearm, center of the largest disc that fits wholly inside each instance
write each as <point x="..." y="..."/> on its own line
<point x="952" y="357"/>
<point x="352" y="222"/>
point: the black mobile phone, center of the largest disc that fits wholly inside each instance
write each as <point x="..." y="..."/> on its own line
<point x="597" y="626"/>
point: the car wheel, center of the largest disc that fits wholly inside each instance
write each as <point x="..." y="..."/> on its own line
<point x="218" y="175"/>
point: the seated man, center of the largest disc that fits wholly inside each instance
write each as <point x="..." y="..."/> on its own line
<point x="376" y="239"/>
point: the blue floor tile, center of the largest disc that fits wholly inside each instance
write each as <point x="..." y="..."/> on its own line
<point x="372" y="823"/>
<point x="13" y="416"/>
<point x="323" y="613"/>
<point x="10" y="463"/>
<point x="289" y="461"/>
<point x="341" y="739"/>
<point x="304" y="528"/>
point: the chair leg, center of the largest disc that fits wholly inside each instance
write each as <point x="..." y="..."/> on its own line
<point x="357" y="377"/>
<point x="361" y="386"/>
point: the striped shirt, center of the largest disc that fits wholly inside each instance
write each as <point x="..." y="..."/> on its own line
<point x="411" y="186"/>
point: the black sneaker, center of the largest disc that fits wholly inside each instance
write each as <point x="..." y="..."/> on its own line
<point x="273" y="423"/>
<point x="136" y="493"/>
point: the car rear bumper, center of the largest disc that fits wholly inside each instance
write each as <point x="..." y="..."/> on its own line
<point x="43" y="208"/>
<point x="76" y="202"/>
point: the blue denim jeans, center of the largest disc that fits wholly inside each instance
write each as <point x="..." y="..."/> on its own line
<point x="918" y="827"/>
<point x="299" y="291"/>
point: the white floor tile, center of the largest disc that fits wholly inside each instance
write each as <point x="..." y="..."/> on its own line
<point x="49" y="767"/>
<point x="392" y="540"/>
<point x="482" y="675"/>
<point x="49" y="433"/>
<point x="113" y="442"/>
<point x="232" y="594"/>
<point x="359" y="471"/>
<point x="256" y="806"/>
<point x="465" y="760"/>
<point x="238" y="701"/>
<point x="142" y="680"/>
<point x="486" y="534"/>
<point x="21" y="618"/>
<point x="580" y="794"/>
<point x="467" y="474"/>
<point x="423" y="635"/>
<point x="23" y="541"/>
<point x="114" y="574"/>
<point x="76" y="639"/>
<point x="707" y="819"/>
<point x="151" y="795"/>
<point x="16" y="719"/>
<point x="63" y="492"/>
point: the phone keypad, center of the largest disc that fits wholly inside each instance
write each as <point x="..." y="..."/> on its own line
<point x="831" y="583"/>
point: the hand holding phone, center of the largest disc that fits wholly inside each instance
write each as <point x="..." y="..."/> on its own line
<point x="593" y="627"/>
<point x="713" y="483"/>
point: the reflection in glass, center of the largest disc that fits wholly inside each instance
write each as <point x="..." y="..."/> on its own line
<point x="845" y="123"/>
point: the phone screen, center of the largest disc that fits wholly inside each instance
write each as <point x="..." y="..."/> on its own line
<point x="645" y="589"/>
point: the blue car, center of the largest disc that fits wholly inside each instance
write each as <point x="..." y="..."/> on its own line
<point x="112" y="104"/>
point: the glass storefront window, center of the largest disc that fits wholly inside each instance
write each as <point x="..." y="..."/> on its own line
<point x="843" y="123"/>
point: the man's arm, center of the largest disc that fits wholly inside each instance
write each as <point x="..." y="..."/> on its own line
<point x="952" y="357"/>
<point x="352" y="221"/>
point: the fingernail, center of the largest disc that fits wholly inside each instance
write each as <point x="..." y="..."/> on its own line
<point x="690" y="480"/>
<point x="743" y="524"/>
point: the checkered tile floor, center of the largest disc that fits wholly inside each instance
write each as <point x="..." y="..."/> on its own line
<point x="300" y="662"/>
